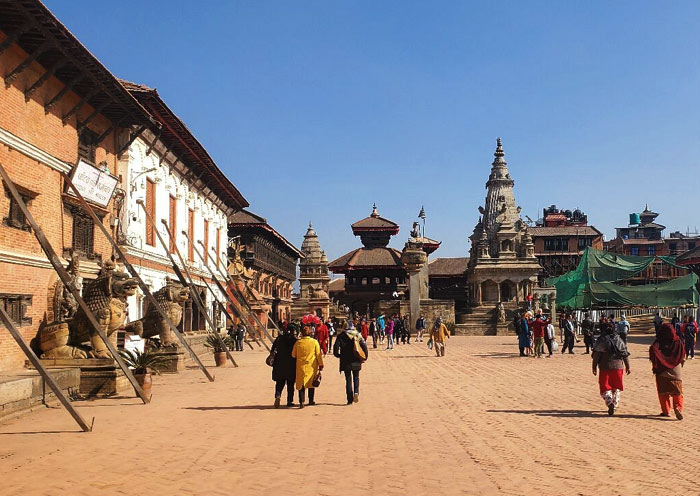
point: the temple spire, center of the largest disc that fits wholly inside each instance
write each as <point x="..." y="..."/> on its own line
<point x="499" y="154"/>
<point x="375" y="212"/>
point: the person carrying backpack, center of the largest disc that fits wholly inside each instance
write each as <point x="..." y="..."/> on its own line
<point x="623" y="328"/>
<point x="352" y="352"/>
<point x="420" y="328"/>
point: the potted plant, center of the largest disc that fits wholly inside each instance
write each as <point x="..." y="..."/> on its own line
<point x="219" y="345"/>
<point x="143" y="364"/>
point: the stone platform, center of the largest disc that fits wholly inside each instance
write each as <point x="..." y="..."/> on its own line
<point x="174" y="363"/>
<point x="24" y="390"/>
<point x="99" y="377"/>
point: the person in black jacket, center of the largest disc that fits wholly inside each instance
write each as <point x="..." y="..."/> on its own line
<point x="284" y="368"/>
<point x="344" y="349"/>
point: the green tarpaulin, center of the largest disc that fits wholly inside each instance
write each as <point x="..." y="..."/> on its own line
<point x="593" y="283"/>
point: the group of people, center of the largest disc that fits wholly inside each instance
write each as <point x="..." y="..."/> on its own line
<point x="297" y="360"/>
<point x="606" y="341"/>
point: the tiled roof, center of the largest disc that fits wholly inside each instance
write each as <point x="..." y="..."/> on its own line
<point x="690" y="257"/>
<point x="245" y="218"/>
<point x="448" y="266"/>
<point x="177" y="137"/>
<point x="367" y="258"/>
<point x="375" y="222"/>
<point x="563" y="231"/>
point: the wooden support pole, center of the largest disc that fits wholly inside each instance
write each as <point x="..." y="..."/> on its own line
<point x="245" y="302"/>
<point x="134" y="134"/>
<point x="78" y="106"/>
<point x="234" y="304"/>
<point x="15" y="36"/>
<point x="193" y="291"/>
<point x="68" y="87"/>
<point x="92" y="115"/>
<point x="12" y="75"/>
<point x="44" y="372"/>
<point x="44" y="77"/>
<point x="130" y="268"/>
<point x="68" y="282"/>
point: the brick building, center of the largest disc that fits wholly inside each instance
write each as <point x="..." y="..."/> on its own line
<point x="561" y="238"/>
<point x="58" y="105"/>
<point x="271" y="258"/>
<point x="168" y="169"/>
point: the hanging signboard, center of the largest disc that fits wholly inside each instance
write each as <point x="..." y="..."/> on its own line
<point x="96" y="186"/>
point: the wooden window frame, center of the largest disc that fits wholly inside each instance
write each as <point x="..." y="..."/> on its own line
<point x="16" y="306"/>
<point x="151" y="209"/>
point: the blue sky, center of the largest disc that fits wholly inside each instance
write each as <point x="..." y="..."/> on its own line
<point x="317" y="109"/>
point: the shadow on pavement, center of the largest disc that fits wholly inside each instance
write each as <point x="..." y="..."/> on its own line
<point x="259" y="407"/>
<point x="580" y="414"/>
<point x="39" y="432"/>
<point x="498" y="355"/>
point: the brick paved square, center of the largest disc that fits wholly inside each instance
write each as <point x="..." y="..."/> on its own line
<point x="479" y="421"/>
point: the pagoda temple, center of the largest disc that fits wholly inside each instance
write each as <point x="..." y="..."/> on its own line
<point x="502" y="263"/>
<point x="374" y="271"/>
<point x="313" y="279"/>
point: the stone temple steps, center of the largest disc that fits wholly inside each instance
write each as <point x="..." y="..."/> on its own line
<point x="482" y="321"/>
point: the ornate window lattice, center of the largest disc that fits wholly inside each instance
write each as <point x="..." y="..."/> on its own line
<point x="87" y="144"/>
<point x="83" y="233"/>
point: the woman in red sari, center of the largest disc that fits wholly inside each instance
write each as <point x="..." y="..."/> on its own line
<point x="667" y="356"/>
<point x="322" y="336"/>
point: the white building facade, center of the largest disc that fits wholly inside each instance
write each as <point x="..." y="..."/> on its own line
<point x="174" y="177"/>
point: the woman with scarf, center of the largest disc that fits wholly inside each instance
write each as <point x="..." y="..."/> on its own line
<point x="609" y="356"/>
<point x="667" y="356"/>
<point x="389" y="330"/>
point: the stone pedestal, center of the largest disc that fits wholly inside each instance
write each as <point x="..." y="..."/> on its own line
<point x="414" y="259"/>
<point x="99" y="377"/>
<point x="174" y="361"/>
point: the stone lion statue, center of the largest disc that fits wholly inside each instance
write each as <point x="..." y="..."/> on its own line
<point x="171" y="299"/>
<point x="106" y="297"/>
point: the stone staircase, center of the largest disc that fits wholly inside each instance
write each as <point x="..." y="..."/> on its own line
<point x="482" y="321"/>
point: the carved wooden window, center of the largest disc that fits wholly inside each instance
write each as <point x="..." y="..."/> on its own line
<point x="16" y="307"/>
<point x="87" y="144"/>
<point x="206" y="241"/>
<point x="83" y="233"/>
<point x="151" y="209"/>
<point x="190" y="234"/>
<point x="15" y="217"/>
<point x="172" y="222"/>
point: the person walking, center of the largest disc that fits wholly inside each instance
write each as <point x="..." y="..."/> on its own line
<point x="550" y="337"/>
<point x="667" y="355"/>
<point x="398" y="329"/>
<point x="439" y="334"/>
<point x="322" y="336"/>
<point x="407" y="328"/>
<point x="587" y="329"/>
<point x="309" y="362"/>
<point x="364" y="328"/>
<point x="524" y="335"/>
<point x="331" y="333"/>
<point x="389" y="331"/>
<point x="690" y="332"/>
<point x="381" y="322"/>
<point x="569" y="335"/>
<point x="420" y="328"/>
<point x="374" y="332"/>
<point x="284" y="367"/>
<point x="538" y="326"/>
<point x="610" y="356"/>
<point x="240" y="335"/>
<point x="349" y="362"/>
<point x="623" y="328"/>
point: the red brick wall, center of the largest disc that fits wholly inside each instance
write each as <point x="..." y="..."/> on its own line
<point x="27" y="120"/>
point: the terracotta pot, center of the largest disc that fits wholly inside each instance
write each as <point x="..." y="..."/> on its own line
<point x="220" y="358"/>
<point x="145" y="381"/>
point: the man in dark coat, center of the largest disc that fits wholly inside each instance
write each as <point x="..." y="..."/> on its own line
<point x="349" y="363"/>
<point x="284" y="368"/>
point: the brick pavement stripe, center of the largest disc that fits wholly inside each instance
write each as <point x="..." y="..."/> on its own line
<point x="479" y="421"/>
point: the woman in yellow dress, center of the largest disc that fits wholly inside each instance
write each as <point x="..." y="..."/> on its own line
<point x="307" y="351"/>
